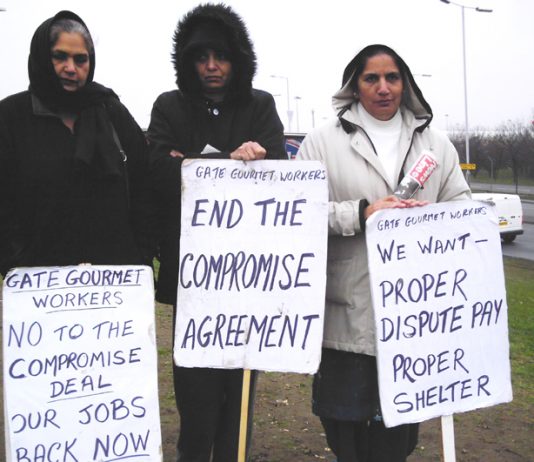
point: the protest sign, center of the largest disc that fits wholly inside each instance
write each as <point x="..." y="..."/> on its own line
<point x="440" y="307"/>
<point x="252" y="265"/>
<point x="80" y="364"/>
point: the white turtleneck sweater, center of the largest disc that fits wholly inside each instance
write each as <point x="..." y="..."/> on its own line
<point x="385" y="135"/>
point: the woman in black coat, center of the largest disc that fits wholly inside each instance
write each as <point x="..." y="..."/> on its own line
<point x="214" y="113"/>
<point x="72" y="160"/>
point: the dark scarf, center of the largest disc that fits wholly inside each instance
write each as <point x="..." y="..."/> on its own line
<point x="95" y="143"/>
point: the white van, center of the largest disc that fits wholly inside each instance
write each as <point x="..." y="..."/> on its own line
<point x="509" y="211"/>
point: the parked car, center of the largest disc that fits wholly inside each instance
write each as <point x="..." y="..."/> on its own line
<point x="509" y="211"/>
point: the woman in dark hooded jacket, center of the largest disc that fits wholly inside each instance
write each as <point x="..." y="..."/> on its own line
<point x="72" y="160"/>
<point x="192" y="122"/>
<point x="214" y="113"/>
<point x="382" y="126"/>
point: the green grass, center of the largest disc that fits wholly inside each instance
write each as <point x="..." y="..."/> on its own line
<point x="504" y="176"/>
<point x="520" y="291"/>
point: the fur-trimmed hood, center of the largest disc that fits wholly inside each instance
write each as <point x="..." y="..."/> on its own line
<point x="221" y="21"/>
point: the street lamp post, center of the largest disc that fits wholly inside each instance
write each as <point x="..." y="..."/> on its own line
<point x="289" y="111"/>
<point x="297" y="99"/>
<point x="480" y="10"/>
<point x="491" y="173"/>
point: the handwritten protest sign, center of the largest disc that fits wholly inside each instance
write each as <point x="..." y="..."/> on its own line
<point x="440" y="310"/>
<point x="252" y="265"/>
<point x="80" y="375"/>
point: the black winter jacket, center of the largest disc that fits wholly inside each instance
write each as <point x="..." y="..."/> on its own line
<point x="188" y="126"/>
<point x="54" y="211"/>
<point x="185" y="121"/>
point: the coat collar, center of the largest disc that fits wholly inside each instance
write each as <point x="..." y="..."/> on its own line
<point x="39" y="107"/>
<point x="362" y="144"/>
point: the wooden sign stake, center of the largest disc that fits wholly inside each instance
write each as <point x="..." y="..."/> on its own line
<point x="242" y="453"/>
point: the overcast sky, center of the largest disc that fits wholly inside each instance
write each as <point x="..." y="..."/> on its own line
<point x="310" y="43"/>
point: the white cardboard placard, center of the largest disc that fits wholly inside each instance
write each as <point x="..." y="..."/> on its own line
<point x="440" y="307"/>
<point x="252" y="265"/>
<point x="80" y="364"/>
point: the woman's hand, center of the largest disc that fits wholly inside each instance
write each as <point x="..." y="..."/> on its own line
<point x="249" y="150"/>
<point x="392" y="202"/>
<point x="175" y="153"/>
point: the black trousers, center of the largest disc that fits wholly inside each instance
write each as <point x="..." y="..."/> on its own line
<point x="370" y="441"/>
<point x="209" y="404"/>
<point x="345" y="397"/>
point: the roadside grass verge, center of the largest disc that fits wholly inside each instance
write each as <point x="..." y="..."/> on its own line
<point x="520" y="294"/>
<point x="504" y="176"/>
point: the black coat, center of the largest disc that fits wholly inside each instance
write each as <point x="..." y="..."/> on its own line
<point x="184" y="120"/>
<point x="55" y="210"/>
<point x="188" y="125"/>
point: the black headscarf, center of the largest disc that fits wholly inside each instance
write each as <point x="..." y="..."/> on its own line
<point x="95" y="143"/>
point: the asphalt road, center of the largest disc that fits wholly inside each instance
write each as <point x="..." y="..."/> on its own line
<point x="523" y="245"/>
<point x="528" y="211"/>
<point x="528" y="205"/>
<point x="502" y="188"/>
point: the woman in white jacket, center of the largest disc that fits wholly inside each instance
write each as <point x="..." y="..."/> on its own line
<point x="382" y="126"/>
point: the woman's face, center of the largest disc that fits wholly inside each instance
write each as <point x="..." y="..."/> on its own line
<point x="71" y="60"/>
<point x="380" y="87"/>
<point x="214" y="70"/>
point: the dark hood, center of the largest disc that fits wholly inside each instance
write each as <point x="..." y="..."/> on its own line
<point x="95" y="143"/>
<point x="43" y="79"/>
<point x="208" y="25"/>
<point x="412" y="96"/>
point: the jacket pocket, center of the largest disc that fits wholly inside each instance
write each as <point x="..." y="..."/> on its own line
<point x="339" y="286"/>
<point x="346" y="265"/>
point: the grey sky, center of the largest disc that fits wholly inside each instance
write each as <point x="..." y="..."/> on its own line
<point x="309" y="42"/>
